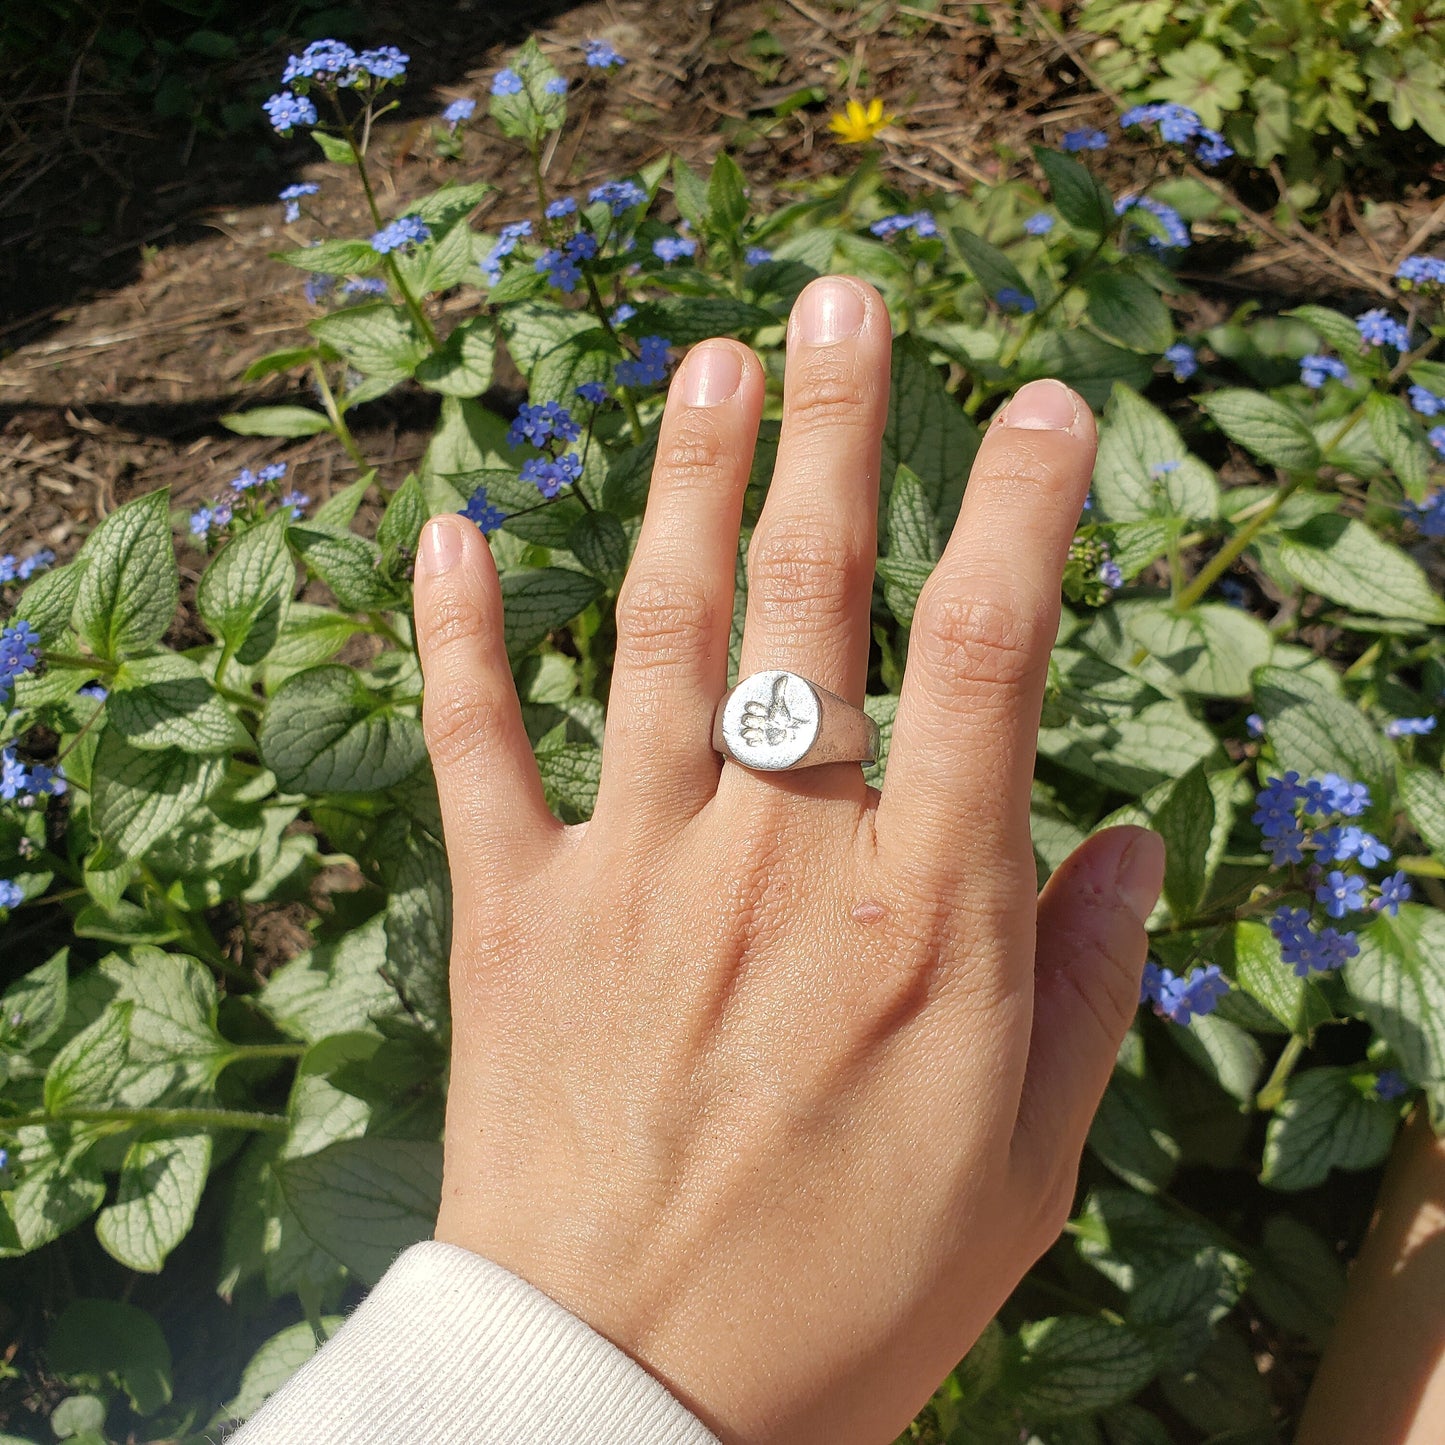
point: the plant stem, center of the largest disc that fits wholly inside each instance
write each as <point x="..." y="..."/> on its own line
<point x="1223" y="559"/>
<point x="333" y="412"/>
<point x="599" y="309"/>
<point x="392" y="269"/>
<point x="1271" y="1096"/>
<point x="74" y="659"/>
<point x="242" y="1052"/>
<point x="154" y="1118"/>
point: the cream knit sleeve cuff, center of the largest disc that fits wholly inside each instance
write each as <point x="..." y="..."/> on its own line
<point x="451" y="1349"/>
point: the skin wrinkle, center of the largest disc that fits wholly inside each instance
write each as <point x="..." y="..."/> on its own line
<point x="752" y="1138"/>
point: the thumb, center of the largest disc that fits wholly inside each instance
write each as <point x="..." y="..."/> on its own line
<point x="1087" y="968"/>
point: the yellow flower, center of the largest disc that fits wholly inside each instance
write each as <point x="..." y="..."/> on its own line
<point x="856" y="124"/>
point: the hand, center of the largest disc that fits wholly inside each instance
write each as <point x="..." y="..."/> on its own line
<point x="778" y="1083"/>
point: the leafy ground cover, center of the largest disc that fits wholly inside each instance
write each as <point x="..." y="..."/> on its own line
<point x="224" y="1016"/>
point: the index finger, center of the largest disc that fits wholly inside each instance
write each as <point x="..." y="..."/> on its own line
<point x="962" y="755"/>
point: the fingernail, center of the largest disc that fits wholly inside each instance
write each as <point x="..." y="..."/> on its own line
<point x="1041" y="406"/>
<point x="829" y="310"/>
<point x="441" y="547"/>
<point x="713" y="373"/>
<point x="1140" y="875"/>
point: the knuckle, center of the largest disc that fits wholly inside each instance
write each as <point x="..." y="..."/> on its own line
<point x="803" y="576"/>
<point x="451" y="619"/>
<point x="693" y="452"/>
<point x="458" y="720"/>
<point x="830" y="388"/>
<point x="991" y="636"/>
<point x="658" y="615"/>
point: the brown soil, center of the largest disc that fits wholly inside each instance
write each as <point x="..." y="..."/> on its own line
<point x="129" y="346"/>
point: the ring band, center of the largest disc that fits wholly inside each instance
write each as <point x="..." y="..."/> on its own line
<point x="776" y="720"/>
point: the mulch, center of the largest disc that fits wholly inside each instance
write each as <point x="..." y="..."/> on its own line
<point x="115" y="385"/>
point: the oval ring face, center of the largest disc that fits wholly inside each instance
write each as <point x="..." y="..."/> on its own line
<point x="771" y="720"/>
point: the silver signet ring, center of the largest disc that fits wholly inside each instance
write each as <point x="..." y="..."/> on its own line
<point x="776" y="720"/>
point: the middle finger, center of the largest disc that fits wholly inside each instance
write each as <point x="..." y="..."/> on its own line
<point x="812" y="555"/>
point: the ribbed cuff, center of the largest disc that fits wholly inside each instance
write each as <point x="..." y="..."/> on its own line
<point x="451" y="1349"/>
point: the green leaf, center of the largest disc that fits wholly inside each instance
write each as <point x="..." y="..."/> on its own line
<point x="1223" y="1395"/>
<point x="570" y="773"/>
<point x="400" y="527"/>
<point x="533" y="330"/>
<point x="37" y="1000"/>
<point x="174" y="1051"/>
<point x="1213" y="649"/>
<point x="1132" y="1135"/>
<point x="1325" y="1122"/>
<point x="1401" y="442"/>
<point x="689" y="193"/>
<point x="1422" y="790"/>
<point x="1074" y="1364"/>
<point x="991" y="268"/>
<point x="1297" y="1279"/>
<point x="54" y="1191"/>
<point x="336" y="988"/>
<point x="273" y="1364"/>
<point x="1127" y="309"/>
<point x="48" y="602"/>
<point x="365" y="1200"/>
<point x="349" y="565"/>
<point x="533" y="111"/>
<point x="379" y="339"/>
<point x="244" y="596"/>
<point x="1315" y="732"/>
<point x="1176" y="1308"/>
<point x="335" y="514"/>
<point x="117" y="1342"/>
<point x="1129" y="1238"/>
<point x="463" y="366"/>
<point x="928" y="432"/>
<point x="413" y="867"/>
<point x="450" y="259"/>
<point x="1264" y="427"/>
<point x="168" y="702"/>
<point x="912" y="532"/>
<point x="86" y="1071"/>
<point x="335" y="148"/>
<point x="1185" y="820"/>
<point x="287" y="359"/>
<point x="1133" y="751"/>
<point x="1336" y="329"/>
<point x="535" y="600"/>
<point x="277" y="421"/>
<point x="333" y="258"/>
<point x="1088" y="363"/>
<point x="325" y="731"/>
<point x="129" y="586"/>
<point x="685" y="320"/>
<point x="78" y="1418"/>
<point x="311" y="635"/>
<point x="727" y="197"/>
<point x="160" y="1187"/>
<point x="1259" y="969"/>
<point x="599" y="542"/>
<point x="1398" y="980"/>
<point x="449" y="203"/>
<point x="1343" y="559"/>
<point x="1081" y="200"/>
<point x="1137" y="476"/>
<point x="138" y="796"/>
<point x="1225" y="1052"/>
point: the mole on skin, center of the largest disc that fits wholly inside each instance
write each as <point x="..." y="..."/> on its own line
<point x="869" y="912"/>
